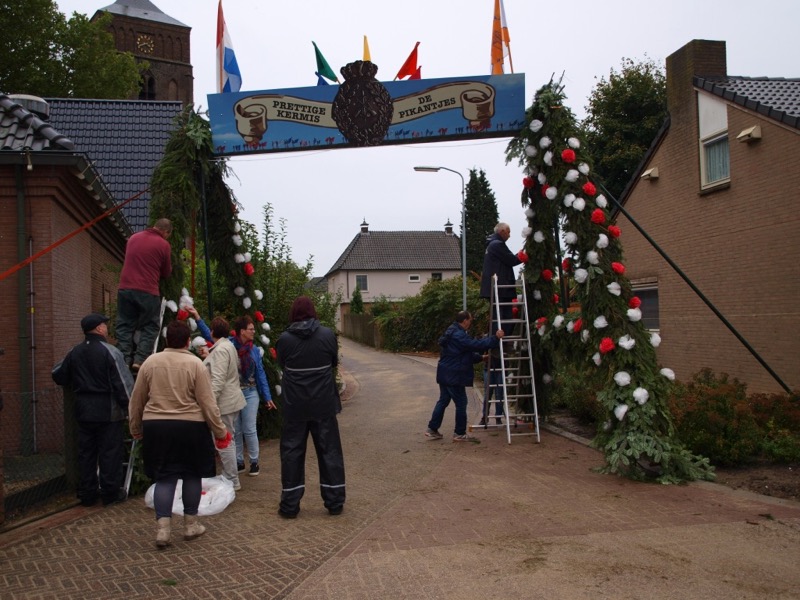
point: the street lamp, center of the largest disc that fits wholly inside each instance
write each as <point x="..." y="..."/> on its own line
<point x="463" y="229"/>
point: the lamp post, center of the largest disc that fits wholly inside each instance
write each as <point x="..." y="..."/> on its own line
<point x="463" y="229"/>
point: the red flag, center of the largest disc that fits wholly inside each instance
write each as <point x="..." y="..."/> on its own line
<point x="410" y="66"/>
<point x="417" y="74"/>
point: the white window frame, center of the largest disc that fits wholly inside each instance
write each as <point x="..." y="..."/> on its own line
<point x="413" y="279"/>
<point x="705" y="144"/>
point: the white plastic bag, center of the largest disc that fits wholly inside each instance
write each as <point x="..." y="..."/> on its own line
<point x="217" y="494"/>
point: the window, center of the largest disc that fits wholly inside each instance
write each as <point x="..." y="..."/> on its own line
<point x="413" y="278"/>
<point x="715" y="160"/>
<point x="436" y="276"/>
<point x="649" y="297"/>
<point x="361" y="283"/>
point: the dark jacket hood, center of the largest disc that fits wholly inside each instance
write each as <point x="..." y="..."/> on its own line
<point x="304" y="329"/>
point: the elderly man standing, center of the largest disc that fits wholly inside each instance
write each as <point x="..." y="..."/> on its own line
<point x="97" y="374"/>
<point x="147" y="261"/>
<point x="500" y="261"/>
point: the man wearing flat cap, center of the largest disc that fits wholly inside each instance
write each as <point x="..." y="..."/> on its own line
<point x="96" y="372"/>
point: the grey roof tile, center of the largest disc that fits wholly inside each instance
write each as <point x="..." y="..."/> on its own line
<point x="141" y="9"/>
<point x="400" y="250"/>
<point x="21" y="129"/>
<point x="776" y="98"/>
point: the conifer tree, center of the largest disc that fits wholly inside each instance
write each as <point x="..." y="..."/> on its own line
<point x="481" y="218"/>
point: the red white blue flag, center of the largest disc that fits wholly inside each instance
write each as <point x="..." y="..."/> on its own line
<point x="229" y="79"/>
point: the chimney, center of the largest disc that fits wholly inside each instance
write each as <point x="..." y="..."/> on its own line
<point x="448" y="227"/>
<point x="32" y="104"/>
<point x="365" y="227"/>
<point x="703" y="58"/>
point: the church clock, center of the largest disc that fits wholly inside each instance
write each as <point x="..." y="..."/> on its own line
<point x="145" y="43"/>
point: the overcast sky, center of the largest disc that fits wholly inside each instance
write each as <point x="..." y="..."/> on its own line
<point x="324" y="195"/>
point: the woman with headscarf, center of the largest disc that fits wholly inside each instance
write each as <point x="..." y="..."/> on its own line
<point x="308" y="355"/>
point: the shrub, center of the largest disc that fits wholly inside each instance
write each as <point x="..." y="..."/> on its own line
<point x="575" y="391"/>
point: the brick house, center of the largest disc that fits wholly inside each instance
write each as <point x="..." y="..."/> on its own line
<point x="717" y="192"/>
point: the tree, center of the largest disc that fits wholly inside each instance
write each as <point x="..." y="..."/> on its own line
<point x="357" y="302"/>
<point x="625" y="113"/>
<point x="47" y="55"/>
<point x="481" y="218"/>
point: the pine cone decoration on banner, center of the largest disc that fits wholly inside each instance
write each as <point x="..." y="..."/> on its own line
<point x="363" y="107"/>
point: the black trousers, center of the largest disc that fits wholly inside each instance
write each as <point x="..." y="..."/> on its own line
<point x="100" y="445"/>
<point x="328" y="444"/>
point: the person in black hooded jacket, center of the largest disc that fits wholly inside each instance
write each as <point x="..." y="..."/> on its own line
<point x="308" y="353"/>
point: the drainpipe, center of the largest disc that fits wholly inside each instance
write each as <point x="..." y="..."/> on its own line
<point x="34" y="398"/>
<point x="26" y="408"/>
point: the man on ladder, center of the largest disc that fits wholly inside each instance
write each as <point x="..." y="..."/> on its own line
<point x="499" y="260"/>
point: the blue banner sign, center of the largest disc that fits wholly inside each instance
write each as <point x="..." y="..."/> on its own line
<point x="365" y="112"/>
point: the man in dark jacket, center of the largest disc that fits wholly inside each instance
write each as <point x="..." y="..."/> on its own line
<point x="96" y="372"/>
<point x="308" y="353"/>
<point x="498" y="260"/>
<point x="454" y="373"/>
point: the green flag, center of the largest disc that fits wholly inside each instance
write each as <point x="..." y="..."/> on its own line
<point x="323" y="68"/>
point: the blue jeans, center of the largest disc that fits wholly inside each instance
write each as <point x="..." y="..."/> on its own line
<point x="458" y="394"/>
<point x="246" y="427"/>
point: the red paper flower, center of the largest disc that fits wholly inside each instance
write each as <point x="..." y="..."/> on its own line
<point x="259" y="316"/>
<point x="182" y="315"/>
<point x="273" y="354"/>
<point x="544" y="190"/>
<point x="568" y="156"/>
<point x="248" y="269"/>
<point x="577" y="325"/>
<point x="541" y="321"/>
<point x="514" y="311"/>
<point x="566" y="265"/>
<point x="555" y="298"/>
<point x="598" y="216"/>
<point x="527" y="182"/>
<point x="210" y="344"/>
<point x="233" y="332"/>
<point x="614" y="231"/>
<point x="589" y="189"/>
<point x="547" y="275"/>
<point x="634" y="302"/>
<point x="618" y="268"/>
<point x="606" y="345"/>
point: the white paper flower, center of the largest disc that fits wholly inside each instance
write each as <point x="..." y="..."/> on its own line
<point x="239" y="291"/>
<point x="620" y="410"/>
<point x="607" y="426"/>
<point x="247" y="303"/>
<point x="529" y="171"/>
<point x="602" y="241"/>
<point x="641" y="395"/>
<point x="265" y="340"/>
<point x="601" y="201"/>
<point x="592" y="257"/>
<point x="278" y="390"/>
<point x="655" y="340"/>
<point x="585" y="335"/>
<point x="258" y="294"/>
<point x="164" y="332"/>
<point x="198" y="341"/>
<point x="572" y="175"/>
<point x="551" y="193"/>
<point x="596" y="358"/>
<point x="526" y="231"/>
<point x="622" y="378"/>
<point x="192" y="324"/>
<point x="614" y="288"/>
<point x="558" y="321"/>
<point x="185" y="301"/>
<point x="172" y="306"/>
<point x="265" y="326"/>
<point x="261" y="351"/>
<point x="237" y="240"/>
<point x="634" y="314"/>
<point x="237" y="227"/>
<point x="548" y="158"/>
<point x="569" y="199"/>
<point x="571" y="326"/>
<point x="574" y="143"/>
<point x="531" y="150"/>
<point x="579" y="204"/>
<point x="570" y="237"/>
<point x="600" y="322"/>
<point x="537" y="295"/>
<point x="247" y="257"/>
<point x="535" y="125"/>
<point x="545" y="142"/>
<point x="583" y="168"/>
<point x="668" y="373"/>
<point x="546" y="378"/>
<point x="238" y="258"/>
<point x="581" y="275"/>
<point x="529" y="212"/>
<point x="541" y="178"/>
<point x="538" y="237"/>
<point x="626" y="342"/>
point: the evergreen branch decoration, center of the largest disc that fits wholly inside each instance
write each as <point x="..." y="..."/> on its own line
<point x="638" y="437"/>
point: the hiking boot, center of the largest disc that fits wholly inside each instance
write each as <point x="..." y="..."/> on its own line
<point x="464" y="438"/>
<point x="433" y="434"/>
<point x="193" y="529"/>
<point x="254" y="470"/>
<point x="164" y="532"/>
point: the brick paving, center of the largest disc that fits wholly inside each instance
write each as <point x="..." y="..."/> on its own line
<point x="427" y="519"/>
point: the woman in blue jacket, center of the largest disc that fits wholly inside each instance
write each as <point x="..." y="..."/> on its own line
<point x="454" y="373"/>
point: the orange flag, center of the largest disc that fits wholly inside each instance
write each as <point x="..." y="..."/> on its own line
<point x="410" y="66"/>
<point x="501" y="40"/>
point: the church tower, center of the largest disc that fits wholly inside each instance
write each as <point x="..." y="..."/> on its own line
<point x="139" y="27"/>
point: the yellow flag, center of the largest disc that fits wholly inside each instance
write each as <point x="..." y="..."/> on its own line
<point x="366" y="50"/>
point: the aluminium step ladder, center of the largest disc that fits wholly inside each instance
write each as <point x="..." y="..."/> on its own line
<point x="514" y="369"/>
